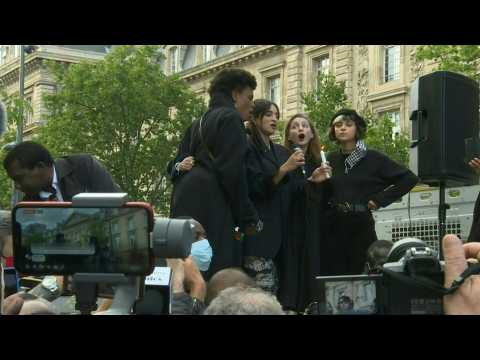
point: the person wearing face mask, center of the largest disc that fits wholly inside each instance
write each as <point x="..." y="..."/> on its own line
<point x="201" y="250"/>
<point x="299" y="260"/>
<point x="267" y="167"/>
<point x="215" y="190"/>
<point x="361" y="181"/>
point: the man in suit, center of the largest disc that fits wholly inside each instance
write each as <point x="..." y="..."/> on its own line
<point x="39" y="177"/>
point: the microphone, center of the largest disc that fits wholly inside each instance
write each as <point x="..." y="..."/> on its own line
<point x="295" y="148"/>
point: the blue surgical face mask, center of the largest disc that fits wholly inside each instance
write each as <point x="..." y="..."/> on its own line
<point x="202" y="254"/>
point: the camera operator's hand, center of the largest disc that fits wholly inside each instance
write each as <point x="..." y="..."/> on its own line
<point x="12" y="305"/>
<point x="372" y="205"/>
<point x="26" y="304"/>
<point x="6" y="245"/>
<point x="178" y="276"/>
<point x="475" y="165"/>
<point x="466" y="299"/>
<point x="194" y="283"/>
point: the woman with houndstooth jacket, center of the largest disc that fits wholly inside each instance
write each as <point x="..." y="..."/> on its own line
<point x="361" y="181"/>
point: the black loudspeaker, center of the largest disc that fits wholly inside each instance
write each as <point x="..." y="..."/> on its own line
<point x="444" y="131"/>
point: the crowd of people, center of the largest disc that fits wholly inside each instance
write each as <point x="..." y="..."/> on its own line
<point x="269" y="218"/>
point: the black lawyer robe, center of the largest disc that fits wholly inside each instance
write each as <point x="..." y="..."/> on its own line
<point x="262" y="165"/>
<point x="215" y="191"/>
<point x="299" y="258"/>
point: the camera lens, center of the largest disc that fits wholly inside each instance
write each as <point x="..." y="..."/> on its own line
<point x="401" y="246"/>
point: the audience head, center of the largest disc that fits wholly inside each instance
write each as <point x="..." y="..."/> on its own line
<point x="227" y="278"/>
<point x="240" y="300"/>
<point x="377" y="255"/>
<point x="263" y="122"/>
<point x="29" y="165"/>
<point x="351" y="118"/>
<point x="237" y="84"/>
<point x="301" y="131"/>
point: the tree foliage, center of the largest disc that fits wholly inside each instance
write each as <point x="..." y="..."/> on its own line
<point x="456" y="58"/>
<point x="329" y="96"/>
<point x="125" y="111"/>
<point x="13" y="105"/>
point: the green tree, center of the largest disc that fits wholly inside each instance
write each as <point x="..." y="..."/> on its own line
<point x="323" y="102"/>
<point x="381" y="138"/>
<point x="13" y="107"/>
<point x="329" y="97"/>
<point x="125" y="111"/>
<point x="462" y="59"/>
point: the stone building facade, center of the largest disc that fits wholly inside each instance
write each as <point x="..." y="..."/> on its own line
<point x="375" y="76"/>
<point x="38" y="81"/>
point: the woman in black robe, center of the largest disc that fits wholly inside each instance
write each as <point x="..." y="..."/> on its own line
<point x="215" y="191"/>
<point x="300" y="259"/>
<point x="181" y="164"/>
<point x="267" y="167"/>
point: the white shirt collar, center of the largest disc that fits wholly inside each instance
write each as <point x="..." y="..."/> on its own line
<point x="55" y="185"/>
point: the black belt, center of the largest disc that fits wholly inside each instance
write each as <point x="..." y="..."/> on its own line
<point x="347" y="207"/>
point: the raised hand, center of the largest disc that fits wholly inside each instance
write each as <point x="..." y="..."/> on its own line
<point x="319" y="175"/>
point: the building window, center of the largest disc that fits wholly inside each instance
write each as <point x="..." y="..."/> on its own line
<point x="3" y="54"/>
<point x="8" y="52"/>
<point x="208" y="53"/>
<point x="320" y="65"/>
<point x="394" y="117"/>
<point x="28" y="111"/>
<point x="189" y="58"/>
<point x="273" y="89"/>
<point x="392" y="62"/>
<point x="173" y="60"/>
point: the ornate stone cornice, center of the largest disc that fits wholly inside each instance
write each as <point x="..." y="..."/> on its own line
<point x="232" y="59"/>
<point x="379" y="95"/>
<point x="12" y="71"/>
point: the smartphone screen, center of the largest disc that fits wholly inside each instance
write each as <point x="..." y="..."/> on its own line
<point x="65" y="240"/>
<point x="10" y="276"/>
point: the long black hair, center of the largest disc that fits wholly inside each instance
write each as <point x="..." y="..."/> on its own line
<point x="260" y="108"/>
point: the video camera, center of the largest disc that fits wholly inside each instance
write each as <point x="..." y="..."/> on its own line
<point x="99" y="239"/>
<point x="410" y="282"/>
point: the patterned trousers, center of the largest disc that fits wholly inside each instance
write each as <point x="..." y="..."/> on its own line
<point x="263" y="271"/>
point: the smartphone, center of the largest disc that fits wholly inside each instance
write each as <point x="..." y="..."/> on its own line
<point x="58" y="239"/>
<point x="12" y="284"/>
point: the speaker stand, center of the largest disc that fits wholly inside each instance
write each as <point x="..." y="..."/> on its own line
<point x="442" y="217"/>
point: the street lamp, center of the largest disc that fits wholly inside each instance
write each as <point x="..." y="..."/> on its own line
<point x="24" y="49"/>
